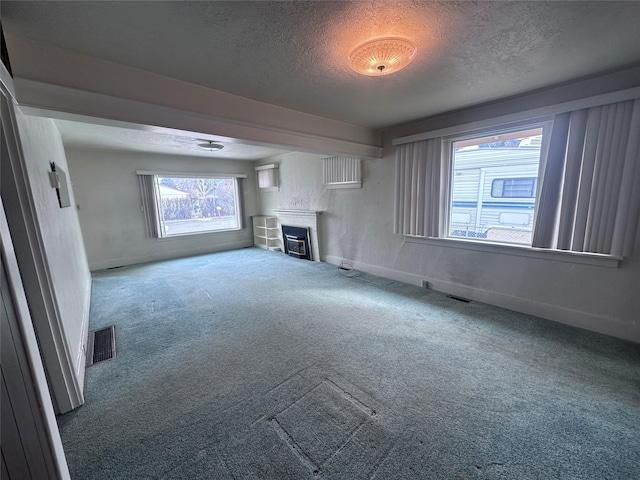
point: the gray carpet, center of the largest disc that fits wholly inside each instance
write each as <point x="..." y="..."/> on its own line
<point x="253" y="365"/>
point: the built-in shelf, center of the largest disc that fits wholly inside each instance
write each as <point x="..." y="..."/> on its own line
<point x="265" y="232"/>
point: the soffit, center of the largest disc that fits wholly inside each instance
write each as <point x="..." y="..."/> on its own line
<point x="105" y="137"/>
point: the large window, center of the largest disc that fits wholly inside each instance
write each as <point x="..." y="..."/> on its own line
<point x="191" y="205"/>
<point x="493" y="186"/>
<point x="568" y="181"/>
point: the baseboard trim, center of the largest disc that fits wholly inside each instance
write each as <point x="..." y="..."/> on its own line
<point x="576" y="318"/>
<point x="181" y="253"/>
<point x="389" y="273"/>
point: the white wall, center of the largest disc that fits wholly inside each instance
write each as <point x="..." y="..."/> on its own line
<point x="352" y="219"/>
<point x="357" y="226"/>
<point x="60" y="230"/>
<point x="109" y="200"/>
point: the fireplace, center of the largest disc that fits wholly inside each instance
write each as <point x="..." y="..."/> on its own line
<point x="306" y="220"/>
<point x="296" y="241"/>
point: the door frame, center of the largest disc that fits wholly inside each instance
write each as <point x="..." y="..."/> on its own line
<point x="65" y="389"/>
<point x="14" y="291"/>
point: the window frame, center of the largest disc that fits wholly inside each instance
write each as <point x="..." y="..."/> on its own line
<point x="154" y="212"/>
<point x="543" y="114"/>
<point x="534" y="186"/>
<point x="267" y="177"/>
<point x="161" y="231"/>
<point x="491" y="130"/>
<point x="497" y="248"/>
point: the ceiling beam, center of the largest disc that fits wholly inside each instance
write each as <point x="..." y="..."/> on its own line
<point x="58" y="83"/>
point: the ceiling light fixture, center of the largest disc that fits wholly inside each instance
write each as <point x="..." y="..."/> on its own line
<point x="382" y="56"/>
<point x="210" y="146"/>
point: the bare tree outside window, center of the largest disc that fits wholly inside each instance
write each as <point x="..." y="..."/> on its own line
<point x="188" y="205"/>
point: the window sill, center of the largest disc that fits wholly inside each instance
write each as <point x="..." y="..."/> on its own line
<point x="197" y="234"/>
<point x="596" y="259"/>
<point x="337" y="186"/>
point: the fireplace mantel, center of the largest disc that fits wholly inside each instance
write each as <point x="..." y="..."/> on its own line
<point x="302" y="218"/>
<point x="298" y="213"/>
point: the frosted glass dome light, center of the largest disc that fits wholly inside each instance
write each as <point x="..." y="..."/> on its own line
<point x="382" y="56"/>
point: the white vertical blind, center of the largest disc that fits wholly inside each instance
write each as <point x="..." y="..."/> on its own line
<point x="628" y="219"/>
<point x="341" y="172"/>
<point x="590" y="195"/>
<point x="267" y="178"/>
<point x="149" y="205"/>
<point x="422" y="178"/>
<point x="546" y="227"/>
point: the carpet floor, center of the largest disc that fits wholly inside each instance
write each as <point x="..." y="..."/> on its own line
<point x="253" y="365"/>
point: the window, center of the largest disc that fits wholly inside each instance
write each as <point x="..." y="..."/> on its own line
<point x="514" y="187"/>
<point x="192" y="205"/>
<point x="341" y="172"/>
<point x="268" y="176"/>
<point x="485" y="185"/>
<point x="493" y="185"/>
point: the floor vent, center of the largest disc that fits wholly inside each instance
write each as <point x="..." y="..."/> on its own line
<point x="101" y="345"/>
<point x="460" y="299"/>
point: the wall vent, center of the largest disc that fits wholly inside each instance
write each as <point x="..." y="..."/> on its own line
<point x="101" y="345"/>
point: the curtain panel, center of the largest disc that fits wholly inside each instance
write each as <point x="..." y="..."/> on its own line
<point x="148" y="200"/>
<point x="421" y="189"/>
<point x="590" y="190"/>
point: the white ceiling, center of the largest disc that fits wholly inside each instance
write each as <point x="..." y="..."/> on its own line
<point x="92" y="136"/>
<point x="295" y="53"/>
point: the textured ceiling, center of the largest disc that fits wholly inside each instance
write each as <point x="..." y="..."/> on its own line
<point x="295" y="54"/>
